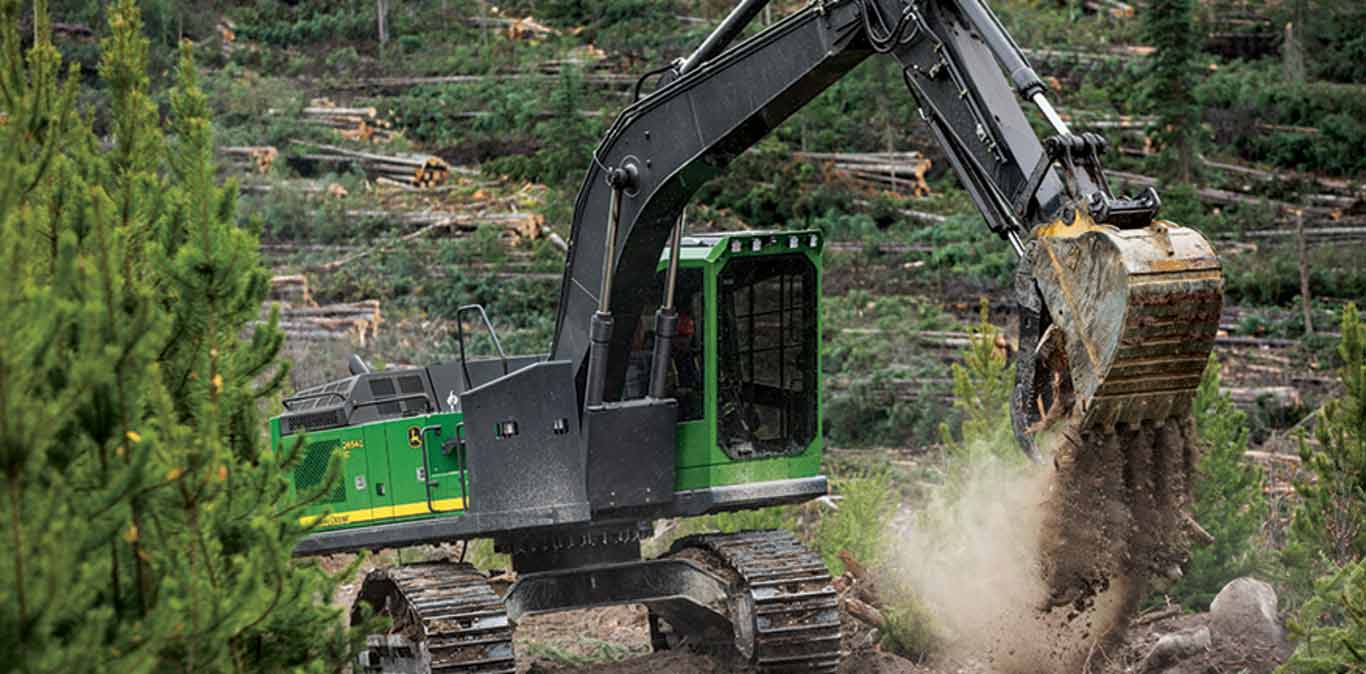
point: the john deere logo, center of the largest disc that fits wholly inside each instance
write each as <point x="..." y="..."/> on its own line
<point x="414" y="437"/>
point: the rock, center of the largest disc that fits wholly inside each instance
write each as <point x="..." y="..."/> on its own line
<point x="1175" y="647"/>
<point x="1246" y="610"/>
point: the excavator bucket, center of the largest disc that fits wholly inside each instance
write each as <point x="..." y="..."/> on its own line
<point x="1136" y="312"/>
<point x="1124" y="321"/>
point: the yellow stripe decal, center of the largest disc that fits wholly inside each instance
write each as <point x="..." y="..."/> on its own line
<point x="383" y="512"/>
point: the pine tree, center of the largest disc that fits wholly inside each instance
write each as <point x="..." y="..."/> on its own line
<point x="982" y="385"/>
<point x="1228" y="498"/>
<point x="1328" y="532"/>
<point x="1328" y="529"/>
<point x="145" y="529"/>
<point x="1330" y="628"/>
<point x="1170" y="28"/>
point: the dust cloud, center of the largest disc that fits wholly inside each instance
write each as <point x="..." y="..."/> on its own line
<point x="978" y="558"/>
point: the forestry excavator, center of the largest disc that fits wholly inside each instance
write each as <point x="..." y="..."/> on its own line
<point x="684" y="375"/>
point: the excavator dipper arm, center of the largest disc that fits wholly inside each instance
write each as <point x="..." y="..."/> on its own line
<point x="1085" y="253"/>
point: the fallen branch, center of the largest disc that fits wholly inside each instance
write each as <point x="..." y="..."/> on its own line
<point x="1158" y="614"/>
<point x="864" y="612"/>
<point x="1272" y="457"/>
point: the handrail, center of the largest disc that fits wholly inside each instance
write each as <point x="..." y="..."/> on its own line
<point x="310" y="396"/>
<point x="396" y="399"/>
<point x="460" y="338"/>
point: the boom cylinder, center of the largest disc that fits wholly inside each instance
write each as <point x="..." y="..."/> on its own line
<point x="600" y="326"/>
<point x="730" y="28"/>
<point x="666" y="319"/>
<point x="1003" y="47"/>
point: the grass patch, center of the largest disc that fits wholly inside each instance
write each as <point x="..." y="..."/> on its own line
<point x="857" y="526"/>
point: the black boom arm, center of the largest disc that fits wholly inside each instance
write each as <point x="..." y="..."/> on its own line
<point x="664" y="147"/>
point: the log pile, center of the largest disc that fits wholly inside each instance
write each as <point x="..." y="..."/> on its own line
<point x="1115" y="8"/>
<point x="303" y="320"/>
<point x="291" y="289"/>
<point x="414" y="170"/>
<point x="362" y="125"/>
<point x="895" y="171"/>
<point x="517" y="226"/>
<point x="515" y="29"/>
<point x="258" y="158"/>
<point x="1275" y="398"/>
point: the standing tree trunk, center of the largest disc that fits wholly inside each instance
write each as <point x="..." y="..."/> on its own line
<point x="1292" y="54"/>
<point x="1304" y="273"/>
<point x="381" y="10"/>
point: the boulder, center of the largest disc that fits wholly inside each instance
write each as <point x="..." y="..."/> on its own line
<point x="1246" y="610"/>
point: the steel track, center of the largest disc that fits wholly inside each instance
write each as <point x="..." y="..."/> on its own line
<point x="446" y="620"/>
<point x="784" y="604"/>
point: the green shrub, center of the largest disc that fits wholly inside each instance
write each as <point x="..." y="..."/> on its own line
<point x="1327" y="531"/>
<point x="964" y="249"/>
<point x="982" y="386"/>
<point x="1330" y="627"/>
<point x="910" y="631"/>
<point x="857" y="527"/>
<point x="1239" y="96"/>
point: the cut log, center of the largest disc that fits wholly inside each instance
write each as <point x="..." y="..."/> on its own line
<point x="292" y="289"/>
<point x="419" y="170"/>
<point x="1316" y="234"/>
<point x="516" y="29"/>
<point x="1276" y="397"/>
<point x="895" y="169"/>
<point x="1339" y="186"/>
<point x="369" y="112"/>
<point x="261" y="157"/>
<point x="1225" y="197"/>
<point x="356" y="321"/>
<point x="1114" y="8"/>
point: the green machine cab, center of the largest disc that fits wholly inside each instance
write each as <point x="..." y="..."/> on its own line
<point x="745" y="420"/>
